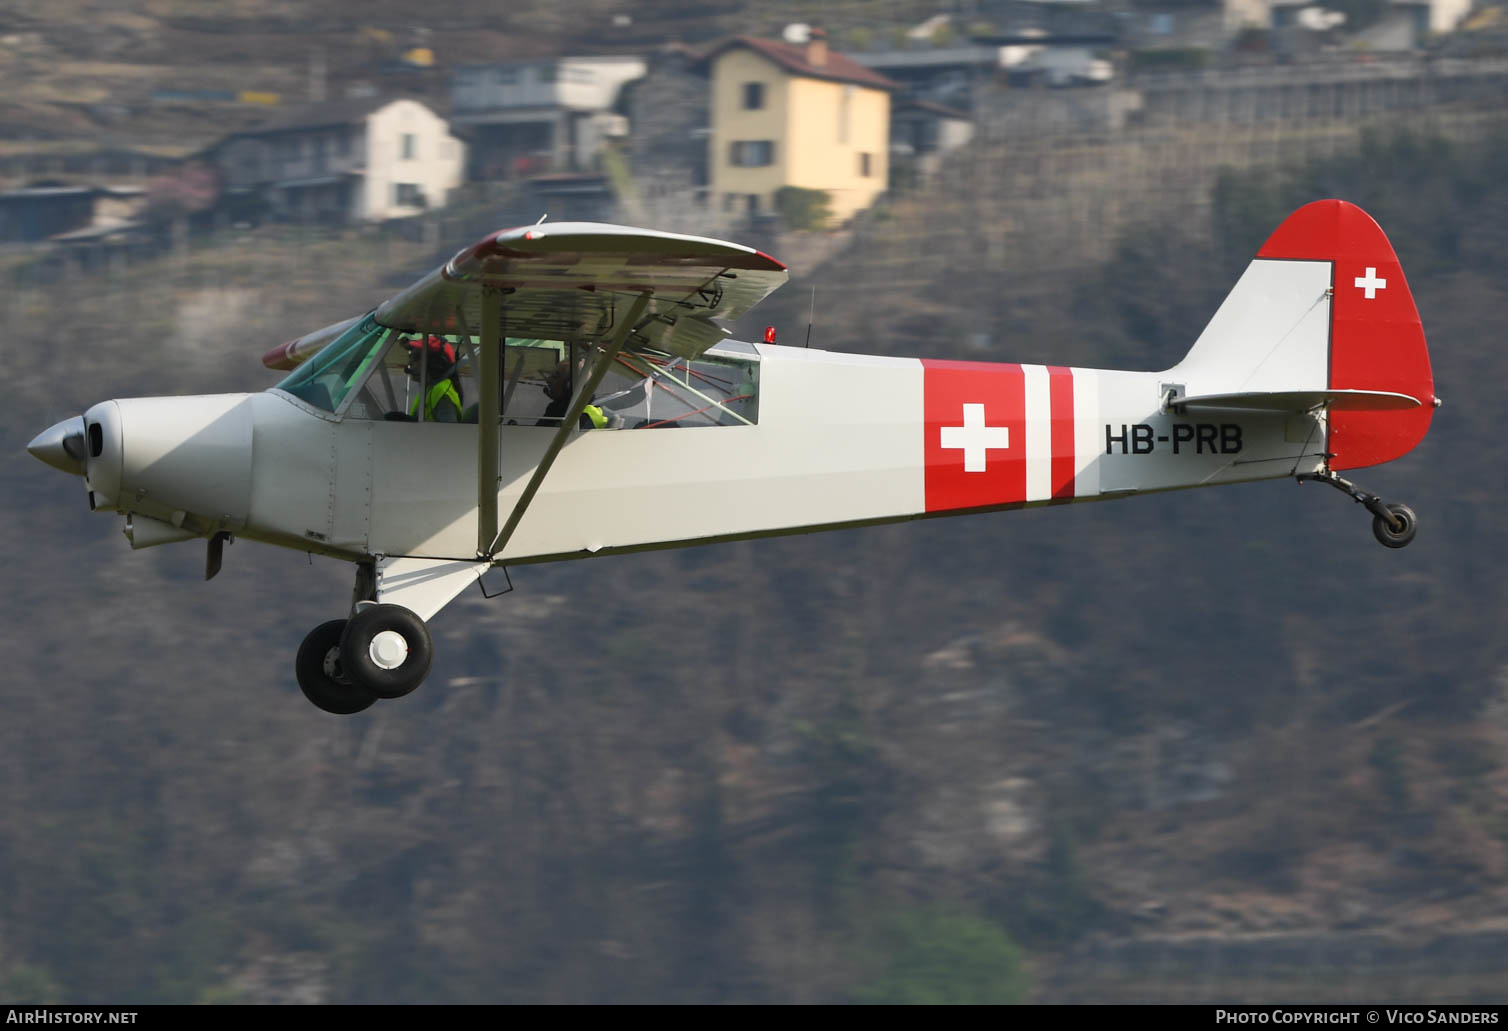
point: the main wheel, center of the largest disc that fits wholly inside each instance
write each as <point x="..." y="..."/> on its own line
<point x="1408" y="526"/>
<point x="321" y="675"/>
<point x="387" y="650"/>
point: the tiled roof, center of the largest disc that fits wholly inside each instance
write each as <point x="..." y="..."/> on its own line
<point x="318" y="116"/>
<point x="793" y="58"/>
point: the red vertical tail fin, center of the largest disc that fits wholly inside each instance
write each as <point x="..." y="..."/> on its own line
<point x="1376" y="339"/>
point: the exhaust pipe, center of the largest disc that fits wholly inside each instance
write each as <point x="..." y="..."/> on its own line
<point x="146" y="532"/>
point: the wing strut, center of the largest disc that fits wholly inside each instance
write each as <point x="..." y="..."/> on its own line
<point x="489" y="420"/>
<point x="605" y="358"/>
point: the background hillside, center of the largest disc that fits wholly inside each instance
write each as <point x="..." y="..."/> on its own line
<point x="78" y="74"/>
<point x="1208" y="745"/>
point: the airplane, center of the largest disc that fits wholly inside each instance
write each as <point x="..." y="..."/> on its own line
<point x="489" y="415"/>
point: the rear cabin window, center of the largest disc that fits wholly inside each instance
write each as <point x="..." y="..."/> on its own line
<point x="641" y="389"/>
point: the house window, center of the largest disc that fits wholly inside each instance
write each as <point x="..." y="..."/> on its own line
<point x="844" y="103"/>
<point x="410" y="146"/>
<point x="866" y="165"/>
<point x="753" y="96"/>
<point x="407" y="195"/>
<point x="751" y="153"/>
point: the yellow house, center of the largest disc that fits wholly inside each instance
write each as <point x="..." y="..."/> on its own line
<point x="796" y="115"/>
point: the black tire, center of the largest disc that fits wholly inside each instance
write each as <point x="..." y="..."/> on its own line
<point x="321" y="675"/>
<point x="1400" y="537"/>
<point x="361" y="664"/>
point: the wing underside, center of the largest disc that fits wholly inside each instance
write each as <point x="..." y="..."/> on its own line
<point x="576" y="281"/>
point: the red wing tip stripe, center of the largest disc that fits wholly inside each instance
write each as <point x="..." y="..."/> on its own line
<point x="279" y="358"/>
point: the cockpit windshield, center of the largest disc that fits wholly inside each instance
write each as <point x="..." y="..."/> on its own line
<point x="373" y="372"/>
<point x="340" y="366"/>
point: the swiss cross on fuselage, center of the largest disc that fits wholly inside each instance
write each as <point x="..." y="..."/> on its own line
<point x="975" y="439"/>
<point x="1370" y="283"/>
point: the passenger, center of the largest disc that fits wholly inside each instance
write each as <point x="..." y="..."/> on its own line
<point x="558" y="389"/>
<point x="443" y="403"/>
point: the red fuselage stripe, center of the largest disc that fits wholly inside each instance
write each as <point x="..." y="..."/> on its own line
<point x="1063" y="456"/>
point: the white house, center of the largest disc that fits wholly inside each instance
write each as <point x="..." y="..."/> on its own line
<point x="357" y="160"/>
<point x="546" y="115"/>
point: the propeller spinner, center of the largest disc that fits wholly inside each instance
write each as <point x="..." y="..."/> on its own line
<point x="61" y="446"/>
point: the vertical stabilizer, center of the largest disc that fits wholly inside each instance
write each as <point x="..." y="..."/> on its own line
<point x="1323" y="307"/>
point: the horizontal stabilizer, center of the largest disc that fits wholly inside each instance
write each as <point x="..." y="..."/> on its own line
<point x="1304" y="401"/>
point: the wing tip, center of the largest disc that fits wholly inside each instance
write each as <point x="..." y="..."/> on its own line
<point x="280" y="358"/>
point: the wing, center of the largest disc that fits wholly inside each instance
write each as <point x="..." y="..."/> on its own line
<point x="574" y="280"/>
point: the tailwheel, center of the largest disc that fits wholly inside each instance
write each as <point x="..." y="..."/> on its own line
<point x="1398" y="528"/>
<point x="1393" y="524"/>
<point x="386" y="650"/>
<point x="322" y="676"/>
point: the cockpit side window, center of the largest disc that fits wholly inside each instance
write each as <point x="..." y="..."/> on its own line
<point x="341" y="366"/>
<point x="537" y="381"/>
<point x="422" y="377"/>
<point x="373" y="372"/>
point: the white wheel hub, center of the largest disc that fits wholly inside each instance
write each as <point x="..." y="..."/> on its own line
<point x="388" y="649"/>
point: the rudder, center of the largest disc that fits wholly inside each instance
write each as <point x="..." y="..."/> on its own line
<point x="1324" y="306"/>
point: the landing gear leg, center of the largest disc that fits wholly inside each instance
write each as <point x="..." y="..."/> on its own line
<point x="1393" y="524"/>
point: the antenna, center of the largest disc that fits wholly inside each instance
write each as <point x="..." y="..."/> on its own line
<point x="542" y="218"/>
<point x="811" y="317"/>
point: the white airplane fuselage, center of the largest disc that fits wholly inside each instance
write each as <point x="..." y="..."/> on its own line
<point x="841" y="439"/>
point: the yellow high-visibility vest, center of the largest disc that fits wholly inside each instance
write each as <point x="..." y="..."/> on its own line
<point x="441" y="391"/>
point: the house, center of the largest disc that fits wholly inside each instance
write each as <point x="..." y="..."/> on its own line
<point x="952" y="75"/>
<point x="921" y="132"/>
<point x="366" y="159"/>
<point x="48" y="211"/>
<point x="524" y="118"/>
<point x="1210" y="23"/>
<point x="942" y="75"/>
<point x="1399" y="25"/>
<point x="788" y="114"/>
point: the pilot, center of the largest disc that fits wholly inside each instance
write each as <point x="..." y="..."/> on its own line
<point x="558" y="389"/>
<point x="443" y="403"/>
